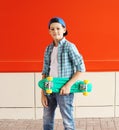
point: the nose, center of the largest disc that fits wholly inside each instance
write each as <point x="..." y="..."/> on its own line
<point x="55" y="30"/>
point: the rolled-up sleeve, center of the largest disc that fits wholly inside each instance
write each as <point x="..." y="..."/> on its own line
<point x="76" y="58"/>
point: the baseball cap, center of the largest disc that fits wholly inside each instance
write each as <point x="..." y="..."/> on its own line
<point x="58" y="20"/>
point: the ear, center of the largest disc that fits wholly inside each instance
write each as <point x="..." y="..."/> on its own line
<point x="49" y="31"/>
<point x="64" y="30"/>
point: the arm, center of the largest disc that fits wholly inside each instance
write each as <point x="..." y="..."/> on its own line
<point x="45" y="71"/>
<point x="44" y="100"/>
<point x="66" y="88"/>
<point x="78" y="63"/>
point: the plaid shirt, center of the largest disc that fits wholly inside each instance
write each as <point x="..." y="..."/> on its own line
<point x="69" y="59"/>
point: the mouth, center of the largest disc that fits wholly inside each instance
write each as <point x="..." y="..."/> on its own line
<point x="55" y="35"/>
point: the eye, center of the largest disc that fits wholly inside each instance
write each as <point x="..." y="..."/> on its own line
<point x="52" y="29"/>
<point x="58" y="28"/>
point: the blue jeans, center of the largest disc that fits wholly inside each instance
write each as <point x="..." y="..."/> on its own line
<point x="65" y="103"/>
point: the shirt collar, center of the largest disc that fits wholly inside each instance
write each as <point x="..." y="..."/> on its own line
<point x="61" y="42"/>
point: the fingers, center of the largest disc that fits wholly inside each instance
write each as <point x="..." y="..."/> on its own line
<point x="61" y="92"/>
<point x="44" y="102"/>
<point x="64" y="91"/>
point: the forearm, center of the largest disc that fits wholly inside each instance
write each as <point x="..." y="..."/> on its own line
<point x="74" y="78"/>
<point x="42" y="91"/>
<point x="43" y="76"/>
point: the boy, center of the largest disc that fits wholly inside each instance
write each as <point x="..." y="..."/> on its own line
<point x="61" y="59"/>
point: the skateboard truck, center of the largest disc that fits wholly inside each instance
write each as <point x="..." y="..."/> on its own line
<point x="85" y="87"/>
<point x="82" y="87"/>
<point x="48" y="85"/>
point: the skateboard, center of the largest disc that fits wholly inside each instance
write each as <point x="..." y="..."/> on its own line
<point x="53" y="85"/>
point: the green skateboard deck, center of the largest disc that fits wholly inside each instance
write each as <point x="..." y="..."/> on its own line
<point x="53" y="85"/>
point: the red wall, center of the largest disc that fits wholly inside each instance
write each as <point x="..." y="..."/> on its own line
<point x="92" y="25"/>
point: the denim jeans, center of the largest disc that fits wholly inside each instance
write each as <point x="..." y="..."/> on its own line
<point x="65" y="103"/>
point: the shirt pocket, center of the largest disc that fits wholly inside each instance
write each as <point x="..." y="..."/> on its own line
<point x="64" y="57"/>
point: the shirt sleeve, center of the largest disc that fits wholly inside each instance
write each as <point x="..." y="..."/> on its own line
<point x="76" y="58"/>
<point x="46" y="62"/>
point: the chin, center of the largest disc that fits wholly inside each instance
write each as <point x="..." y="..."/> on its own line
<point x="58" y="38"/>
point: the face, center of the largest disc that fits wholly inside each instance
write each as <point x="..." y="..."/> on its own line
<point x="56" y="31"/>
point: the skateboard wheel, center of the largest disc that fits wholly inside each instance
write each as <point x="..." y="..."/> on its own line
<point x="85" y="93"/>
<point x="86" y="81"/>
<point x="49" y="78"/>
<point x="48" y="91"/>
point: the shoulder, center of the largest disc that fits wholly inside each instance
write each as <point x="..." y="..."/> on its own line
<point x="49" y="47"/>
<point x="70" y="45"/>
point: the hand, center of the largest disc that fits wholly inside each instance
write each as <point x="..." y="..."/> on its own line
<point x="44" y="100"/>
<point x="65" y="90"/>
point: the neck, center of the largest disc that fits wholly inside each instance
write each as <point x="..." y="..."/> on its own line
<point x="56" y="41"/>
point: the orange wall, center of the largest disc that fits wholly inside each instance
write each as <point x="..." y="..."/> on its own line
<point x="92" y="25"/>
